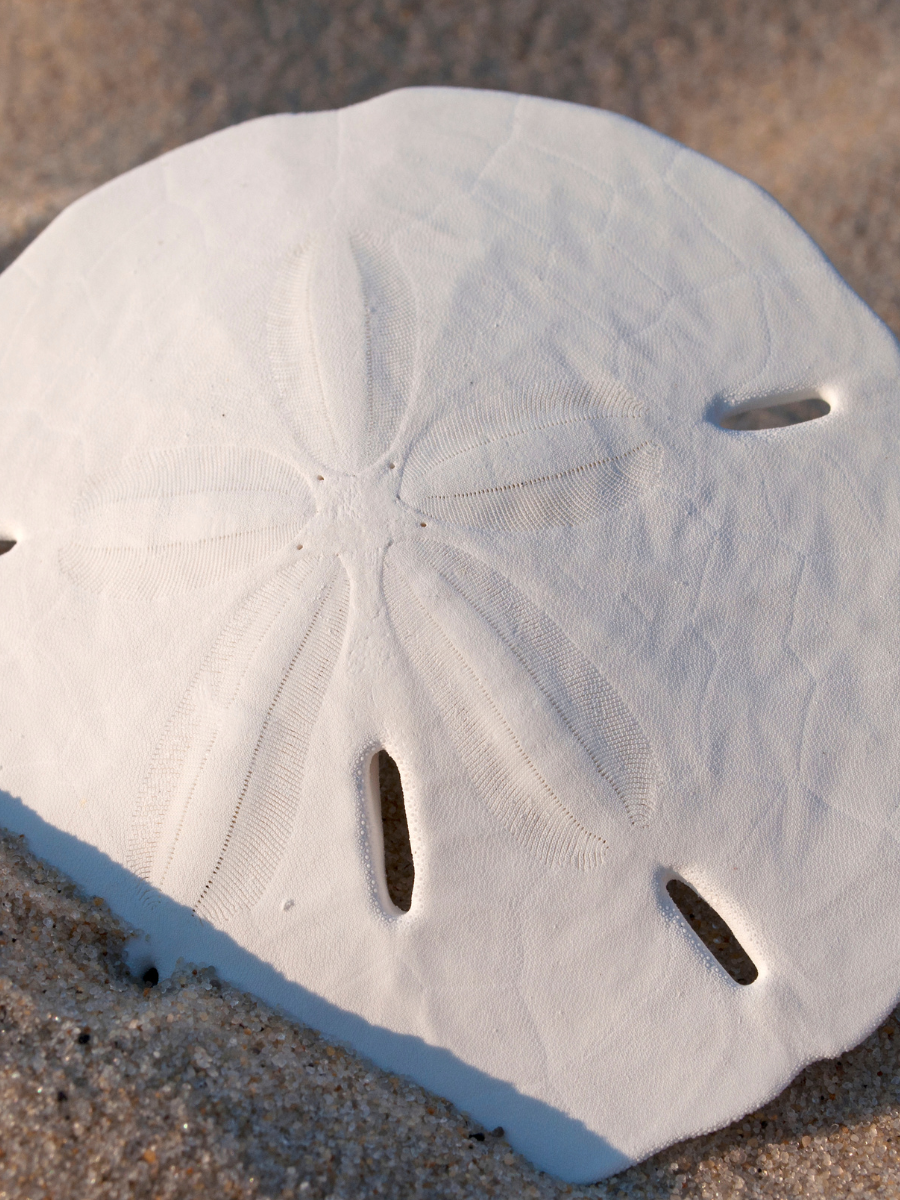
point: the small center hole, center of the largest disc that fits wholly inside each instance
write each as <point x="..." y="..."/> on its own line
<point x="713" y="932"/>
<point x="399" y="869"/>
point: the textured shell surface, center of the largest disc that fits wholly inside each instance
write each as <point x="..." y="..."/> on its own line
<point x="402" y="427"/>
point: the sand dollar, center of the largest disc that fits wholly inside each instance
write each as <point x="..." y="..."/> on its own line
<point x="522" y="443"/>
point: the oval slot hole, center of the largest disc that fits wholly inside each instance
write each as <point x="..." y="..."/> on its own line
<point x="713" y="933"/>
<point x="399" y="869"/>
<point x="777" y="413"/>
<point x="6" y="544"/>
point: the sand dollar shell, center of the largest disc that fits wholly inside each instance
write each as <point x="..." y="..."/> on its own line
<point x="521" y="443"/>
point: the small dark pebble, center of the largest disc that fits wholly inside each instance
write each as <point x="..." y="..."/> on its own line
<point x="498" y="1132"/>
<point x="151" y="976"/>
<point x="61" y="1097"/>
<point x="83" y="1039"/>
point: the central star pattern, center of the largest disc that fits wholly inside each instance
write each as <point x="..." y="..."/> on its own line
<point x="368" y="511"/>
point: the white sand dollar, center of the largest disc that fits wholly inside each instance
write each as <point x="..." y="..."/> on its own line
<point x="402" y="427"/>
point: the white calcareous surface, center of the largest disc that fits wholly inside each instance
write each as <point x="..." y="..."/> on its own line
<point x="400" y="427"/>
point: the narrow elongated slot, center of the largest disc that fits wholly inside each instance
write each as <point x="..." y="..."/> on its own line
<point x="713" y="932"/>
<point x="399" y="869"/>
<point x="776" y="412"/>
<point x="6" y="544"/>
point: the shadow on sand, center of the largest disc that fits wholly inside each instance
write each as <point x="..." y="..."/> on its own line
<point x="555" y="1142"/>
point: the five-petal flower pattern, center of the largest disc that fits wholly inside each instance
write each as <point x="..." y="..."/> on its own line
<point x="366" y="472"/>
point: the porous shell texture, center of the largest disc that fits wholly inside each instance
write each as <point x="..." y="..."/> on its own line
<point x="401" y="427"/>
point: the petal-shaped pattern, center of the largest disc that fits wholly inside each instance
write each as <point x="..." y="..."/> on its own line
<point x="183" y="519"/>
<point x="191" y="471"/>
<point x="144" y="574"/>
<point x="532" y="458"/>
<point x="566" y="497"/>
<point x="501" y="769"/>
<point x="342" y="345"/>
<point x="231" y="703"/>
<point x="588" y="706"/>
<point x="514" y="405"/>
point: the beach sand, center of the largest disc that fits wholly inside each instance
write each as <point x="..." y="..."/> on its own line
<point x="115" y="1087"/>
